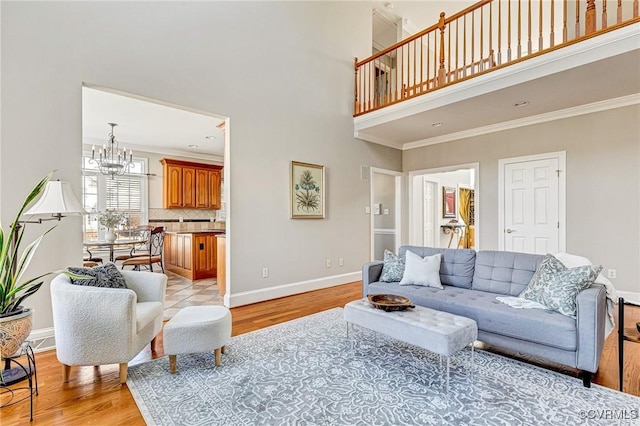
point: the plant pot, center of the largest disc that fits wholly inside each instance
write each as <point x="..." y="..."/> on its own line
<point x="14" y="330"/>
<point x="110" y="235"/>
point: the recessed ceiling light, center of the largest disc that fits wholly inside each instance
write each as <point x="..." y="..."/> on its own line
<point x="521" y="104"/>
<point x="192" y="146"/>
<point x="209" y="137"/>
<point x="438" y="124"/>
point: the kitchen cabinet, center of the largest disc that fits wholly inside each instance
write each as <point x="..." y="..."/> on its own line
<point x="191" y="254"/>
<point x="188" y="185"/>
<point x="221" y="240"/>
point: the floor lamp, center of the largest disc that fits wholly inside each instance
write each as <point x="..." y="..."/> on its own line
<point x="57" y="201"/>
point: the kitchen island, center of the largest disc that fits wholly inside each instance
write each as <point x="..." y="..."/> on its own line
<point x="192" y="254"/>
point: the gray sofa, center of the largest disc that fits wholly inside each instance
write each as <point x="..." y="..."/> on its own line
<point x="472" y="281"/>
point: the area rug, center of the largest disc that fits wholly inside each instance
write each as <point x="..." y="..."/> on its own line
<point x="306" y="372"/>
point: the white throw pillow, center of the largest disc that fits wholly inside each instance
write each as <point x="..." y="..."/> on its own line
<point x="422" y="270"/>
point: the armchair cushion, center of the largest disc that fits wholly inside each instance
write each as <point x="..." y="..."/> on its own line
<point x="106" y="275"/>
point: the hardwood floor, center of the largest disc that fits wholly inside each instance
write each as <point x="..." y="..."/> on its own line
<point x="95" y="396"/>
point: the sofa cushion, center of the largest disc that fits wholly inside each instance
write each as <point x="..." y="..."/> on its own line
<point x="423" y="271"/>
<point x="539" y="326"/>
<point x="504" y="272"/>
<point x="392" y="268"/>
<point x="556" y="286"/>
<point x="456" y="266"/>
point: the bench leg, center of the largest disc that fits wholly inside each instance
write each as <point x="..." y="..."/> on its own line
<point x="586" y="379"/>
<point x="218" y="353"/>
<point x="123" y="373"/>
<point x="172" y="363"/>
<point x="224" y="349"/>
<point x="66" y="371"/>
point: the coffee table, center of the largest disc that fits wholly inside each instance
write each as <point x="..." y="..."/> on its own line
<point x="439" y="332"/>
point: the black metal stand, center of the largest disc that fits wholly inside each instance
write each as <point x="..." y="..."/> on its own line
<point x="23" y="369"/>
<point x="622" y="336"/>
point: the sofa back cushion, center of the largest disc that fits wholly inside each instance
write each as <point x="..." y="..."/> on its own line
<point x="504" y="272"/>
<point x="456" y="265"/>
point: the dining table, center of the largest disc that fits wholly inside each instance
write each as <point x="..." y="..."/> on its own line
<point x="111" y="245"/>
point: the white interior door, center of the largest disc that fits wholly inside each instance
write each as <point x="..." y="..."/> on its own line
<point x="386" y="199"/>
<point x="532" y="205"/>
<point x="430" y="212"/>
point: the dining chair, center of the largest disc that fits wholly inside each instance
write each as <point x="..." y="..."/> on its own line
<point x="156" y="245"/>
<point x="142" y="249"/>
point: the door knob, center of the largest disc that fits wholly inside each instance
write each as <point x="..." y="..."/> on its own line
<point x="508" y="231"/>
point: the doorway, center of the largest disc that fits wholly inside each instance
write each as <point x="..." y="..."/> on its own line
<point x="386" y="211"/>
<point x="443" y="207"/>
<point x="532" y="203"/>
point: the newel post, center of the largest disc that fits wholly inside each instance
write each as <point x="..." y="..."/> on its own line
<point x="356" y="104"/>
<point x="441" y="71"/>
<point x="590" y="17"/>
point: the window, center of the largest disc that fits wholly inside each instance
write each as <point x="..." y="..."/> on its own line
<point x="125" y="194"/>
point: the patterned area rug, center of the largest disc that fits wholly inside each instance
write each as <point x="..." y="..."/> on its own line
<point x="306" y="372"/>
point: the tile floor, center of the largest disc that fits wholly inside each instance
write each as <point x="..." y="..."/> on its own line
<point x="182" y="293"/>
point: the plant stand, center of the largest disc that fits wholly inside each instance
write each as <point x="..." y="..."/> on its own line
<point x="17" y="370"/>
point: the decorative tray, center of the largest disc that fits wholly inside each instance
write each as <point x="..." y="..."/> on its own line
<point x="390" y="302"/>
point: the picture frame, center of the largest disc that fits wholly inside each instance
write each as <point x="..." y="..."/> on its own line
<point x="449" y="202"/>
<point x="306" y="191"/>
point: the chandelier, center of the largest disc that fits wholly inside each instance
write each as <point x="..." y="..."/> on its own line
<point x="111" y="160"/>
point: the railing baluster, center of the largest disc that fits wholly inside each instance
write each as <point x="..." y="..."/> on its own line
<point x="635" y="8"/>
<point x="577" y="18"/>
<point x="499" y="32"/>
<point x="552" y="35"/>
<point x="619" y="12"/>
<point x="564" y="26"/>
<point x="519" y="29"/>
<point x="449" y="54"/>
<point x="464" y="47"/>
<point x="481" y="67"/>
<point x="604" y="14"/>
<point x="590" y="17"/>
<point x="540" y="47"/>
<point x="355" y="85"/>
<point x="473" y="43"/>
<point x="529" y="28"/>
<point x="441" y="71"/>
<point x="491" y="30"/>
<point x="457" y="76"/>
<point x="509" y="34"/>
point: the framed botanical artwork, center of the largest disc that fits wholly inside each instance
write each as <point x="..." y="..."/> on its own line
<point x="449" y="207"/>
<point x="306" y="188"/>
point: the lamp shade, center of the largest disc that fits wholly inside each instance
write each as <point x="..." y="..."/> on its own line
<point x="58" y="198"/>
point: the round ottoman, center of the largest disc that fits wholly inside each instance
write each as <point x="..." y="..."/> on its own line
<point x="197" y="329"/>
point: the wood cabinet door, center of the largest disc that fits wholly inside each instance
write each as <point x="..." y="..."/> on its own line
<point x="202" y="189"/>
<point x="188" y="187"/>
<point x="169" y="249"/>
<point x="184" y="251"/>
<point x="214" y="189"/>
<point x="204" y="247"/>
<point x="172" y="194"/>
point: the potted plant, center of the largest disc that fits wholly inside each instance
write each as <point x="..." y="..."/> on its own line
<point x="15" y="320"/>
<point x="110" y="220"/>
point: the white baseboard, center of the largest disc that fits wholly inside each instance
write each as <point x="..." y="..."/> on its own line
<point x="42" y="339"/>
<point x="631" y="296"/>
<point x="248" y="297"/>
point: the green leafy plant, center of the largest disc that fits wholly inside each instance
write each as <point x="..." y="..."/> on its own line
<point x="13" y="290"/>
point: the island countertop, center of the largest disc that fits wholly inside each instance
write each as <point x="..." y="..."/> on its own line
<point x="198" y="231"/>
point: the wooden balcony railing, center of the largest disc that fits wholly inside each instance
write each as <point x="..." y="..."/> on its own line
<point x="486" y="36"/>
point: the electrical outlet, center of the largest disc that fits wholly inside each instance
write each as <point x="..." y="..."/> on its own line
<point x="328" y="263"/>
<point x="367" y="210"/>
<point x="386" y="211"/>
<point x="265" y="272"/>
<point x="341" y="262"/>
<point x="611" y="273"/>
<point x="377" y="207"/>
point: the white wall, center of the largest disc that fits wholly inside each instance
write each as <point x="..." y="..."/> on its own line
<point x="602" y="176"/>
<point x="282" y="72"/>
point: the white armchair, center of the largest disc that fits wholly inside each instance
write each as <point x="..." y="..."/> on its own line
<point x="97" y="326"/>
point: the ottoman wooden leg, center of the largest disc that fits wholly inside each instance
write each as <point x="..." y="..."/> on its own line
<point x="66" y="371"/>
<point x="123" y="372"/>
<point x="172" y="363"/>
<point x="224" y="349"/>
<point x="219" y="356"/>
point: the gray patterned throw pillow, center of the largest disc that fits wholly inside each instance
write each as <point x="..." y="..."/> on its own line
<point x="556" y="286"/>
<point x="106" y="275"/>
<point x="393" y="268"/>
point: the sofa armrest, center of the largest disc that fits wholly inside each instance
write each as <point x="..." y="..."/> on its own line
<point x="591" y="317"/>
<point x="370" y="273"/>
<point x="148" y="286"/>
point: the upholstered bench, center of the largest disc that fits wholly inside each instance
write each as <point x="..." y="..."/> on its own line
<point x="435" y="331"/>
<point x="197" y="329"/>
